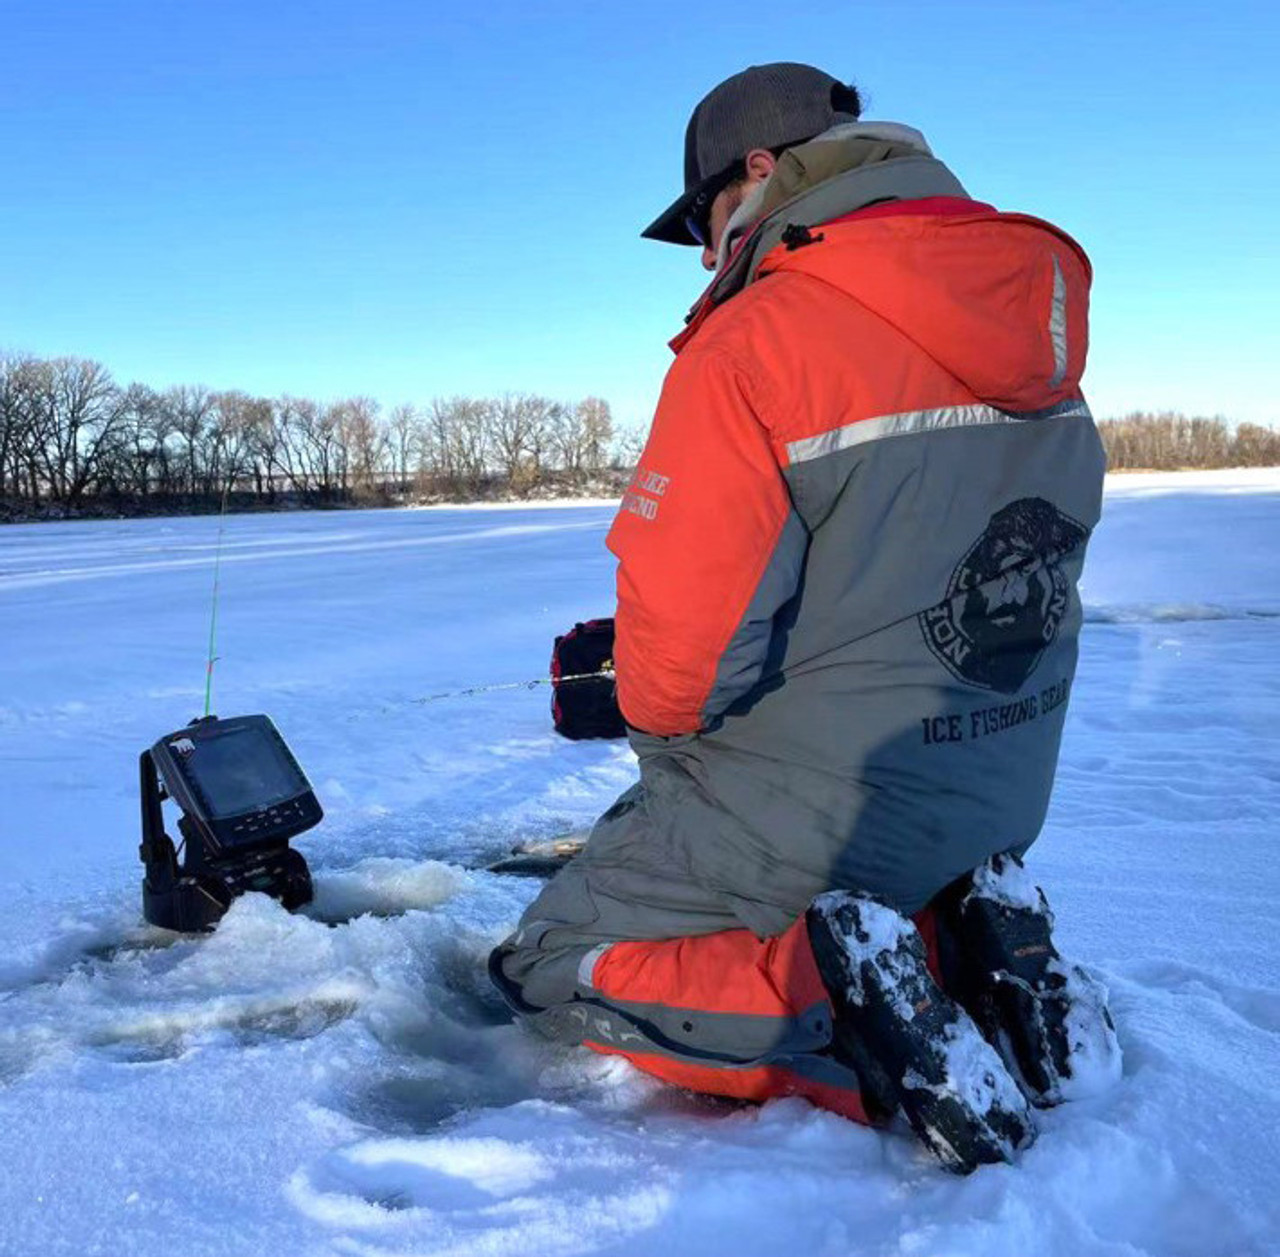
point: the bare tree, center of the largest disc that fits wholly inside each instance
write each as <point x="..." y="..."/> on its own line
<point x="17" y="376"/>
<point x="435" y="451"/>
<point x="1256" y="446"/>
<point x="363" y="443"/>
<point x="131" y="458"/>
<point x="463" y="424"/>
<point x="568" y="440"/>
<point x="190" y="409"/>
<point x="628" y="445"/>
<point x="262" y="439"/>
<point x="521" y="429"/>
<point x="233" y="443"/>
<point x="320" y="449"/>
<point x="597" y="431"/>
<point x="403" y="437"/>
<point x="75" y="405"/>
<point x="289" y="444"/>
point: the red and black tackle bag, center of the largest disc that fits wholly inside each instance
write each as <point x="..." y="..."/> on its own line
<point x="584" y="699"/>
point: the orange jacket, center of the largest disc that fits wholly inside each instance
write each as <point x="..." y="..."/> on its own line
<point x="908" y="319"/>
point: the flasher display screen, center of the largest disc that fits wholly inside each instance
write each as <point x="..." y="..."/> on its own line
<point x="241" y="771"/>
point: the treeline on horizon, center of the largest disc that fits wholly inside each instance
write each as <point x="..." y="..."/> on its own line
<point x="1173" y="442"/>
<point x="73" y="441"/>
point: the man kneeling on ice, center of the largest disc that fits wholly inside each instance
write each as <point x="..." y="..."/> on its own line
<point x="846" y="632"/>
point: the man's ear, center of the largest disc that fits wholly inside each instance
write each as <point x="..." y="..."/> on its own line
<point x="760" y="163"/>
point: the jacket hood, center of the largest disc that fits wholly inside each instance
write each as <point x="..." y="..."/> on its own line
<point x="999" y="300"/>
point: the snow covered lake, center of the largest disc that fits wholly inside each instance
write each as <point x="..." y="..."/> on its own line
<point x="343" y="1081"/>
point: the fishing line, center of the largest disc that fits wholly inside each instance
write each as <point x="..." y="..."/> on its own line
<point x="472" y="691"/>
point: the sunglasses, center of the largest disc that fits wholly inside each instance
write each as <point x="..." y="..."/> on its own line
<point x="697" y="221"/>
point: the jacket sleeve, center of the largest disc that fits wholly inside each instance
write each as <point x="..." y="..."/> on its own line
<point x="709" y="548"/>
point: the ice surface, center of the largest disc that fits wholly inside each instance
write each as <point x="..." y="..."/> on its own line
<point x="343" y="1081"/>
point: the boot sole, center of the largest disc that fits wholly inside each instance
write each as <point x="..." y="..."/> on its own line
<point x="1049" y="1019"/>
<point x="930" y="1057"/>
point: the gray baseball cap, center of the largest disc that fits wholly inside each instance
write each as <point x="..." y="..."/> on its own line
<point x="765" y="106"/>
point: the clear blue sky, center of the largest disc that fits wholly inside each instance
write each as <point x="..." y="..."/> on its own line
<point x="406" y="199"/>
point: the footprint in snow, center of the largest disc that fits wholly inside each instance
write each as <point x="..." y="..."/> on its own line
<point x="511" y="1176"/>
<point x="442" y="1175"/>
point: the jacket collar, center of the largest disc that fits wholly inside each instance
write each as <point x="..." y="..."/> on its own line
<point x="837" y="173"/>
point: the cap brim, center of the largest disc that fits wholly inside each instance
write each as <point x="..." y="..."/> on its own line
<point x="669" y="226"/>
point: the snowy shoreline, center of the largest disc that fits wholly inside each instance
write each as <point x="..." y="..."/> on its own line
<point x="1218" y="480"/>
<point x="1222" y="480"/>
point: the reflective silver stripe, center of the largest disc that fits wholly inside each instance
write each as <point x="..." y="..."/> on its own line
<point x="911" y="422"/>
<point x="1058" y="325"/>
<point x="587" y="965"/>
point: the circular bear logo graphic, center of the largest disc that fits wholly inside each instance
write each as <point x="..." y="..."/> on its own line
<point x="1006" y="597"/>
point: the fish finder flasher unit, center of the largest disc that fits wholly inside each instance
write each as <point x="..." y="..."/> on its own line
<point x="242" y="796"/>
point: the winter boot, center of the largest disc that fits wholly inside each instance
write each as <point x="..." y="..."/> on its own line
<point x="912" y="1046"/>
<point x="1047" y="1018"/>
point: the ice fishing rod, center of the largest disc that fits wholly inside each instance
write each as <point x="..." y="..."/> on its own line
<point x="531" y="684"/>
<point x="213" y="609"/>
<point x="583" y="682"/>
<point x="473" y="691"/>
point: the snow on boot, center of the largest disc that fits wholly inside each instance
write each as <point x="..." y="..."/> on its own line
<point x="1048" y="1018"/>
<point x="913" y="1046"/>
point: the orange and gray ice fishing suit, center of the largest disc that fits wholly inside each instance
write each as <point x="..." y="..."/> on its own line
<point x="846" y="627"/>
